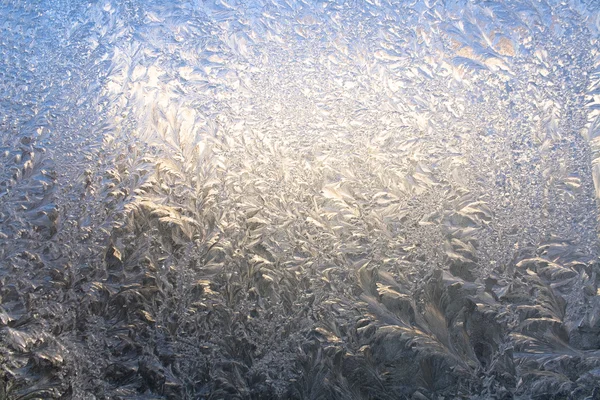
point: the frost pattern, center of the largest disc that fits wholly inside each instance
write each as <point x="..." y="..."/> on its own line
<point x="299" y="199"/>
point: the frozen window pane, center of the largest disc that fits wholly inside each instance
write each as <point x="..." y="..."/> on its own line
<point x="299" y="199"/>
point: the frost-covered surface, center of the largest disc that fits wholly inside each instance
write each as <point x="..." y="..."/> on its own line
<point x="299" y="199"/>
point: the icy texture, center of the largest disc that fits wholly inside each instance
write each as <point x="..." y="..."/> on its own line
<point x="299" y="199"/>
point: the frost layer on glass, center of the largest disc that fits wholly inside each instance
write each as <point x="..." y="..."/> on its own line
<point x="299" y="199"/>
